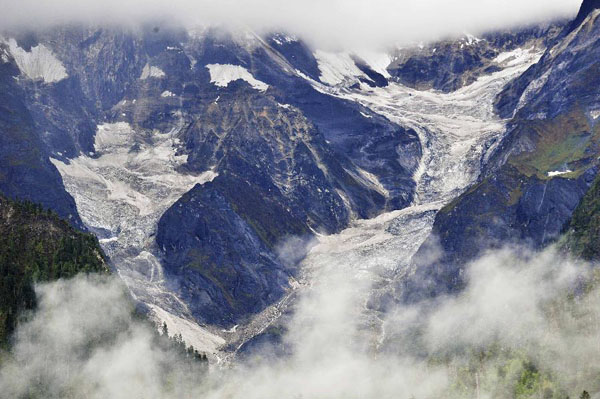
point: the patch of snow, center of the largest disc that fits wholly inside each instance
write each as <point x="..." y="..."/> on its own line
<point x="595" y="114"/>
<point x="38" y="64"/>
<point x="167" y="93"/>
<point x="514" y="57"/>
<point x="532" y="90"/>
<point x="337" y="68"/>
<point x="558" y="173"/>
<point x="151" y="72"/>
<point x="378" y="61"/>
<point x="284" y="106"/>
<point x="232" y="329"/>
<point x="4" y="56"/>
<point x="223" y="74"/>
<point x="280" y="39"/>
<point x="470" y="39"/>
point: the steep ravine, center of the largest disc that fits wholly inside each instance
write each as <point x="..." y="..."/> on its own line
<point x="458" y="130"/>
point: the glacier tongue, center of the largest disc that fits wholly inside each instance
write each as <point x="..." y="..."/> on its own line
<point x="121" y="191"/>
<point x="456" y="130"/>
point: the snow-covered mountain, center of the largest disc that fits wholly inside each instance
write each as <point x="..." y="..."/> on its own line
<point x="226" y="173"/>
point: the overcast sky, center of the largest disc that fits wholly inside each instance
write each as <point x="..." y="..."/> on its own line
<point x="341" y="22"/>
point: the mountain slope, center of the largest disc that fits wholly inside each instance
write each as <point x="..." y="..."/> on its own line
<point x="451" y="64"/>
<point x="539" y="173"/>
<point x="37" y="246"/>
<point x="583" y="236"/>
<point x="135" y="119"/>
<point x="25" y="170"/>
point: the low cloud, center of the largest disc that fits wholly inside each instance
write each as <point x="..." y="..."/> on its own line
<point x="346" y="23"/>
<point x="84" y="342"/>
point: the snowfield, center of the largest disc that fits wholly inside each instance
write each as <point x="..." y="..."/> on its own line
<point x="38" y="64"/>
<point x="223" y="74"/>
<point x="151" y="72"/>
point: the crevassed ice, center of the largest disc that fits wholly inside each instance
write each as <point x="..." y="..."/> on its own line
<point x="455" y="130"/>
<point x="121" y="191"/>
<point x="38" y="64"/>
<point x="223" y="74"/>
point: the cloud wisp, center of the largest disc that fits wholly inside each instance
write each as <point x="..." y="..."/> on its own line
<point x="345" y="23"/>
<point x="84" y="342"/>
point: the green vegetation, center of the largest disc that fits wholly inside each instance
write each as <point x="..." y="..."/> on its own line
<point x="566" y="141"/>
<point x="37" y="246"/>
<point x="583" y="237"/>
<point x="178" y="346"/>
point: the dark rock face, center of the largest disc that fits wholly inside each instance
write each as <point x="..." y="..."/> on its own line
<point x="586" y="8"/>
<point x="25" y="170"/>
<point x="506" y="209"/>
<point x="451" y="64"/>
<point x="537" y="176"/>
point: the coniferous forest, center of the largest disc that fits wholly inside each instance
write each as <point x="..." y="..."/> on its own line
<point x="37" y="246"/>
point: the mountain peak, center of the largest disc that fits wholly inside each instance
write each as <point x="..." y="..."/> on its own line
<point x="586" y="8"/>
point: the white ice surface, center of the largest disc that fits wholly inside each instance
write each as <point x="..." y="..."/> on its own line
<point x="223" y="74"/>
<point x="456" y="130"/>
<point x="337" y="68"/>
<point x="559" y="172"/>
<point x="151" y="72"/>
<point x="122" y="190"/>
<point x="38" y="64"/>
<point x="378" y="61"/>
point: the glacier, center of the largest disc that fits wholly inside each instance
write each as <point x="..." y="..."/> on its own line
<point x="458" y="131"/>
<point x="132" y="177"/>
<point x="121" y="190"/>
